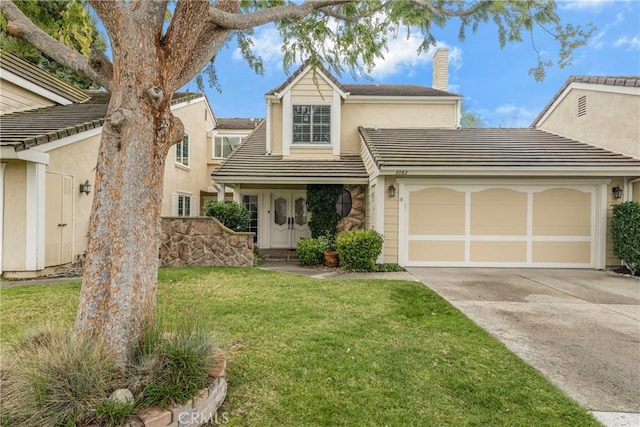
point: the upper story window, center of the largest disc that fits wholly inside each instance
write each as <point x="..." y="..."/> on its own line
<point x="224" y="145"/>
<point x="311" y="124"/>
<point x="182" y="151"/>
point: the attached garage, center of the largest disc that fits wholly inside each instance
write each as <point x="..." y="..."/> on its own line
<point x="519" y="225"/>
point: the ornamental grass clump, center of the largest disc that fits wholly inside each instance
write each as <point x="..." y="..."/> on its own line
<point x="55" y="378"/>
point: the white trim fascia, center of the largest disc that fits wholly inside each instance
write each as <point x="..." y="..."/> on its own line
<point x="287" y="124"/>
<point x="2" y="166"/>
<point x="532" y="182"/>
<point x="287" y="88"/>
<point x="35" y="216"/>
<point x="335" y="115"/>
<point x="58" y="143"/>
<point x="290" y="180"/>
<point x="625" y="90"/>
<point x="381" y="99"/>
<point x="463" y="171"/>
<point x="8" y="153"/>
<point x="367" y="158"/>
<point x="268" y="127"/>
<point x="191" y="102"/>
<point x="32" y="87"/>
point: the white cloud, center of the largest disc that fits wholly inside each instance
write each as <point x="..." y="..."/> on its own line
<point x="583" y="4"/>
<point x="630" y="43"/>
<point x="267" y="44"/>
<point x="402" y="57"/>
<point x="510" y="115"/>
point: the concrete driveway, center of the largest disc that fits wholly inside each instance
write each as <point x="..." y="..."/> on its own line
<point x="579" y="328"/>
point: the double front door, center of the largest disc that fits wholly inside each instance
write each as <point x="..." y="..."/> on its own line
<point x="289" y="219"/>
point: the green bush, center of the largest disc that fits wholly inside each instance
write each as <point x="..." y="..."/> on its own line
<point x="321" y="202"/>
<point x="358" y="249"/>
<point x="311" y="251"/>
<point x="232" y="214"/>
<point x="55" y="378"/>
<point x="625" y="230"/>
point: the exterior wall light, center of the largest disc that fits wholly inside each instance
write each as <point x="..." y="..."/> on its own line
<point x="86" y="187"/>
<point x="392" y="191"/>
<point x="617" y="192"/>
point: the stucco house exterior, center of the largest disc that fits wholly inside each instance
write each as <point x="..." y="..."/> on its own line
<point x="440" y="195"/>
<point x="49" y="138"/>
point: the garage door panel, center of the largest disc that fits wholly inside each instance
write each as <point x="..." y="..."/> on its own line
<point x="436" y="251"/>
<point x="562" y="252"/>
<point x="498" y="252"/>
<point x="498" y="211"/>
<point x="437" y="211"/>
<point x="562" y="212"/>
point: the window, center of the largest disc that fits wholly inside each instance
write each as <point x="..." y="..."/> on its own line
<point x="184" y="205"/>
<point x="343" y="205"/>
<point x="311" y="124"/>
<point x="251" y="203"/>
<point x="224" y="145"/>
<point x="182" y="151"/>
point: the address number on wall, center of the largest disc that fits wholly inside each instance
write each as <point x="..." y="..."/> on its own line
<point x="402" y="172"/>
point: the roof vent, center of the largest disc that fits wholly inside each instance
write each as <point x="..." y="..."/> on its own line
<point x="582" y="106"/>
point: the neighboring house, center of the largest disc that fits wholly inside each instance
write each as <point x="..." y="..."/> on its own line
<point x="600" y="110"/>
<point x="440" y="195"/>
<point x="49" y="138"/>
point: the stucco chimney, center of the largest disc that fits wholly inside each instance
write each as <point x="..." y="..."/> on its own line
<point x="441" y="69"/>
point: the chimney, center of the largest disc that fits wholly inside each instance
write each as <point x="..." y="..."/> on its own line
<point x="441" y="69"/>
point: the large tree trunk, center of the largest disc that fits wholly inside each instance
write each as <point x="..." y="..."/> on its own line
<point x="118" y="293"/>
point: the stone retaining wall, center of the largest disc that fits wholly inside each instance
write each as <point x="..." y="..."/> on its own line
<point x="204" y="242"/>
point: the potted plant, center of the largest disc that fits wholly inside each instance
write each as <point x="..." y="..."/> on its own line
<point x="330" y="255"/>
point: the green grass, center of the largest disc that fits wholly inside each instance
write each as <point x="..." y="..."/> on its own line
<point x="304" y="351"/>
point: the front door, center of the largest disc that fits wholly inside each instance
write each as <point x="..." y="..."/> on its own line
<point x="289" y="219"/>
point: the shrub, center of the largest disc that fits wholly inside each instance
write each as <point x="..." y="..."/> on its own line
<point x="170" y="368"/>
<point x="232" y="214"/>
<point x="311" y="251"/>
<point x="625" y="230"/>
<point x="57" y="378"/>
<point x="321" y="202"/>
<point x="358" y="249"/>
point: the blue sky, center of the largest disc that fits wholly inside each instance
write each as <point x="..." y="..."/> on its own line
<point x="494" y="82"/>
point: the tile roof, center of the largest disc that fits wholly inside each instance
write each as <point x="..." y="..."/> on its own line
<point x="249" y="162"/>
<point x="367" y="89"/>
<point x="503" y="147"/>
<point x="237" y="122"/>
<point x="41" y="78"/>
<point x="627" y="81"/>
<point x="26" y="129"/>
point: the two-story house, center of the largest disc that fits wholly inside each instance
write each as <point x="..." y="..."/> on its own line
<point x="49" y="138"/>
<point x="440" y="195"/>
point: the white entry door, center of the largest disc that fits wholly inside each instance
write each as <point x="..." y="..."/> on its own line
<point x="289" y="219"/>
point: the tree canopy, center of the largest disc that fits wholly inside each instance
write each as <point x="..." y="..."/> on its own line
<point x="68" y="21"/>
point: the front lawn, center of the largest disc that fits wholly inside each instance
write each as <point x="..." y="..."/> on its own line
<point x="323" y="352"/>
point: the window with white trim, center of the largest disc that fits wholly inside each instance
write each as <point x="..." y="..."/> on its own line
<point x="184" y="205"/>
<point x="182" y="151"/>
<point x="224" y="145"/>
<point x="311" y="124"/>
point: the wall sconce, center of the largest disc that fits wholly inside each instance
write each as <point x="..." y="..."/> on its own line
<point x="617" y="192"/>
<point x="392" y="191"/>
<point x="86" y="187"/>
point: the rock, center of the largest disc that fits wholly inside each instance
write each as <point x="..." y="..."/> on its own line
<point x="122" y="395"/>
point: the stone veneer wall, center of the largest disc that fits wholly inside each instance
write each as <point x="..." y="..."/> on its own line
<point x="355" y="219"/>
<point x="204" y="242"/>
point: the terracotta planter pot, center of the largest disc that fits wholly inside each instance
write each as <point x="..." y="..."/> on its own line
<point x="331" y="258"/>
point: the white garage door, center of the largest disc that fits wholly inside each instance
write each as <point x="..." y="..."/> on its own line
<point x="499" y="226"/>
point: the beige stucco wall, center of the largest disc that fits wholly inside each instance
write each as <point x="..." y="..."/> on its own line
<point x="15" y="214"/>
<point x="391" y="115"/>
<point x="612" y="120"/>
<point x="197" y="176"/>
<point x="275" y="123"/>
<point x="306" y="88"/>
<point x="390" y="247"/>
<point x="15" y="98"/>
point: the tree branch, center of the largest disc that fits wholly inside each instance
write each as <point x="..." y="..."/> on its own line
<point x="333" y="14"/>
<point x="18" y="25"/>
<point x="245" y="21"/>
<point x="425" y="4"/>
